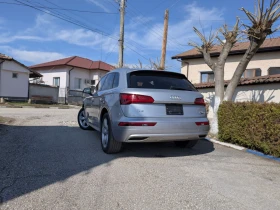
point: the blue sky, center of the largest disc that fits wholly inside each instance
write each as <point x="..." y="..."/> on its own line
<point x="32" y="36"/>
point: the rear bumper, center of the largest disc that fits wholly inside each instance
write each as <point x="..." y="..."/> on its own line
<point x="179" y="129"/>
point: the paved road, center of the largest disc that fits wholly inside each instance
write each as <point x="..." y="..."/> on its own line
<point x="47" y="162"/>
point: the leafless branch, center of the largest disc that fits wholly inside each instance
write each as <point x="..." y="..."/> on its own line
<point x="195" y="45"/>
<point x="220" y="41"/>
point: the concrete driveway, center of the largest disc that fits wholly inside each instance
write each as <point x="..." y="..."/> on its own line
<point x="47" y="162"/>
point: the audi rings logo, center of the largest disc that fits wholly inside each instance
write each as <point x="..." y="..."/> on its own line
<point x="178" y="98"/>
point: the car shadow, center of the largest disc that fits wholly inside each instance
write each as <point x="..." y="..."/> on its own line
<point x="33" y="157"/>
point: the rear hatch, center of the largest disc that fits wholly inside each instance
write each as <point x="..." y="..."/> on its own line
<point x="161" y="94"/>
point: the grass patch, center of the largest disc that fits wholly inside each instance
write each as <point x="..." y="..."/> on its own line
<point x="6" y="120"/>
<point x="25" y="104"/>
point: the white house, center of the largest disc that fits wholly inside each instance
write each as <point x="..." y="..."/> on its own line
<point x="260" y="81"/>
<point x="14" y="79"/>
<point x="73" y="73"/>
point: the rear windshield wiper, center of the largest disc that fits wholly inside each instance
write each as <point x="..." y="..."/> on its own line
<point x="178" y="88"/>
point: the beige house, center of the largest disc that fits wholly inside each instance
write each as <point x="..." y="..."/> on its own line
<point x="260" y="82"/>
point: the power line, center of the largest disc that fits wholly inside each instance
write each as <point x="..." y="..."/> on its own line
<point x="174" y="4"/>
<point x="96" y="24"/>
<point x="102" y="38"/>
<point x="158" y="5"/>
<point x="77" y="24"/>
<point x="126" y="39"/>
<point x="156" y="32"/>
<point x="74" y="10"/>
<point x="65" y="19"/>
<point x="112" y="48"/>
<point x="69" y="12"/>
<point x="111" y="51"/>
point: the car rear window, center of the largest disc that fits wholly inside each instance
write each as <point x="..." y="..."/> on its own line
<point x="159" y="80"/>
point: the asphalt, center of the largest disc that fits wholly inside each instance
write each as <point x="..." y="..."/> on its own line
<point x="47" y="162"/>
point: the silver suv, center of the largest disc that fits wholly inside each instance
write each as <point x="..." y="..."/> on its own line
<point x="144" y="106"/>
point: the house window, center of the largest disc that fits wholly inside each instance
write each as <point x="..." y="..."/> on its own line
<point x="92" y="82"/>
<point x="274" y="70"/>
<point x="78" y="83"/>
<point x="249" y="73"/>
<point x="15" y="75"/>
<point x="56" y="81"/>
<point x="207" y="77"/>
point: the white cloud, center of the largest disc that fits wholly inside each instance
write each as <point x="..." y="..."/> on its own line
<point x="99" y="4"/>
<point x="180" y="32"/>
<point x="31" y="56"/>
<point x="45" y="30"/>
<point x="80" y="37"/>
<point x="7" y="38"/>
<point x="143" y="34"/>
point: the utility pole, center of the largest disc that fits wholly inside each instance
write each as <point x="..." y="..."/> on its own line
<point x="164" y="41"/>
<point x="121" y="40"/>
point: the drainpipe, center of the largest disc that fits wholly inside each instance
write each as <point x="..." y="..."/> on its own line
<point x="188" y="66"/>
<point x="69" y="79"/>
<point x="1" y="61"/>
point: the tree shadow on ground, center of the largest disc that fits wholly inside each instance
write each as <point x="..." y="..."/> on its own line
<point x="33" y="157"/>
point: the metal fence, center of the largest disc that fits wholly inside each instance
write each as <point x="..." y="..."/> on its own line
<point x="76" y="97"/>
<point x="62" y="95"/>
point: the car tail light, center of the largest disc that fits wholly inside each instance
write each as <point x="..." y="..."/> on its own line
<point x="202" y="123"/>
<point x="137" y="124"/>
<point x="199" y="101"/>
<point x="126" y="99"/>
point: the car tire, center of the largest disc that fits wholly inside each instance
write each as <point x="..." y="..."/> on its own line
<point x="186" y="144"/>
<point x="82" y="120"/>
<point x="108" y="143"/>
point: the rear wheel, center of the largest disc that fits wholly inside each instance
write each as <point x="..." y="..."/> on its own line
<point x="187" y="144"/>
<point x="108" y="143"/>
<point x="82" y="120"/>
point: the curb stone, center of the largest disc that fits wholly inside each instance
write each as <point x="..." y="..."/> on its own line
<point x="260" y="154"/>
<point x="227" y="144"/>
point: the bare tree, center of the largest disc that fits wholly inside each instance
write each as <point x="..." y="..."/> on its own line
<point x="260" y="27"/>
<point x="153" y="65"/>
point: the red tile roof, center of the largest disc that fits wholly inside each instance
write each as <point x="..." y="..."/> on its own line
<point x="272" y="44"/>
<point x="76" y="61"/>
<point x="245" y="81"/>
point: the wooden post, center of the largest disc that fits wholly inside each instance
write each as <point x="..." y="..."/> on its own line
<point x="121" y="40"/>
<point x="164" y="41"/>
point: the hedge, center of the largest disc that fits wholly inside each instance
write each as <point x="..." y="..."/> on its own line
<point x="252" y="125"/>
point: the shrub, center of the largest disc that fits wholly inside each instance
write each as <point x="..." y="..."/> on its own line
<point x="252" y="125"/>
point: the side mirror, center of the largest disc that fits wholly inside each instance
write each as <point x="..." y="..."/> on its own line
<point x="87" y="91"/>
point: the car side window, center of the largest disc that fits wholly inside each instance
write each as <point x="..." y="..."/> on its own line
<point x="116" y="80"/>
<point x="101" y="83"/>
<point x="108" y="84"/>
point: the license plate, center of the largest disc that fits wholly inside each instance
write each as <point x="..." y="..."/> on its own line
<point x="174" y="109"/>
